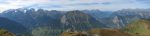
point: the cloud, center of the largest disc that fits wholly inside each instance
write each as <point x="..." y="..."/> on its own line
<point x="106" y="3"/>
<point x="14" y="4"/>
<point x="147" y="2"/>
<point x="88" y="4"/>
<point x="85" y="4"/>
<point x="44" y="6"/>
<point x="144" y="1"/>
<point x="74" y="4"/>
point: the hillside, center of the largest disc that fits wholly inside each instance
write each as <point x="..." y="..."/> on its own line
<point x="107" y="32"/>
<point x="139" y="27"/>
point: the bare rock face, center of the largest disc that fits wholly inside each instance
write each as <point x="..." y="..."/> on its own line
<point x="75" y="17"/>
<point x="79" y="21"/>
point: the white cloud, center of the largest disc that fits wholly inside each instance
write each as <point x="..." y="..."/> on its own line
<point x="71" y="4"/>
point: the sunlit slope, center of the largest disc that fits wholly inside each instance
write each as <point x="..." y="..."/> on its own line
<point x="107" y="32"/>
<point x="138" y="28"/>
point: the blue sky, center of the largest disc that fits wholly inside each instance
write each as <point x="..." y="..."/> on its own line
<point x="110" y="5"/>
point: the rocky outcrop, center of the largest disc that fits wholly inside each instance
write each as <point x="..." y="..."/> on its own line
<point x="79" y="20"/>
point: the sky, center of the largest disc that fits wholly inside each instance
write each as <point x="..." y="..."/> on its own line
<point x="110" y="5"/>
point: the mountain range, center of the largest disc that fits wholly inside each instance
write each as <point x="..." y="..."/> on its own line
<point x="40" y="22"/>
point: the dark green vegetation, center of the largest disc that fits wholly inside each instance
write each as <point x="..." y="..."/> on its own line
<point x="31" y="22"/>
<point x="4" y="32"/>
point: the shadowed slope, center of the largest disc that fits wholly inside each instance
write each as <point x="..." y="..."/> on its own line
<point x="12" y="26"/>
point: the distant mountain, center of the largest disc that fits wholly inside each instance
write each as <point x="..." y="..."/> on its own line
<point x="31" y="18"/>
<point x="126" y="16"/>
<point x="98" y="14"/>
<point x="139" y="13"/>
<point x="118" y="19"/>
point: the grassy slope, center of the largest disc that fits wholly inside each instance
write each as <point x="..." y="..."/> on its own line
<point x="138" y="28"/>
<point x="108" y="32"/>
